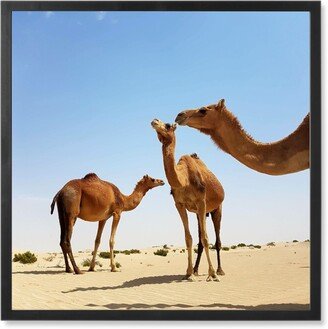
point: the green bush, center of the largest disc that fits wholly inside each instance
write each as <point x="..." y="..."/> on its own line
<point x="225" y="248"/>
<point x="271" y="244"/>
<point x="161" y="252"/>
<point x="105" y="254"/>
<point x="25" y="258"/>
<point x="241" y="245"/>
<point x="196" y="250"/>
<point x="295" y="240"/>
<point x="233" y="247"/>
<point x="257" y="246"/>
<point x="118" y="265"/>
<point x="166" y="247"/>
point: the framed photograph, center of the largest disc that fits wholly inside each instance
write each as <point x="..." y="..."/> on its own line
<point x="160" y="160"/>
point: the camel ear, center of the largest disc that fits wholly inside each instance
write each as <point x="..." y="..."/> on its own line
<point x="145" y="176"/>
<point x="174" y="126"/>
<point x="221" y="104"/>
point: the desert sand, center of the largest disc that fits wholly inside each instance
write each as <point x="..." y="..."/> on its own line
<point x="271" y="278"/>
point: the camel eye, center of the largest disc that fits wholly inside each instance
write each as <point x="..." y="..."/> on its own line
<point x="153" y="180"/>
<point x="202" y="110"/>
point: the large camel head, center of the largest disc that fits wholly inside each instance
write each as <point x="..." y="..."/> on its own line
<point x="150" y="182"/>
<point x="206" y="117"/>
<point x="165" y="131"/>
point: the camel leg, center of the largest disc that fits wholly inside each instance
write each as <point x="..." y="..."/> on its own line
<point x="101" y="225"/>
<point x="116" y="219"/>
<point x="200" y="250"/>
<point x="67" y="243"/>
<point x="184" y="217"/>
<point x="62" y="244"/>
<point x="204" y="238"/>
<point x="216" y="218"/>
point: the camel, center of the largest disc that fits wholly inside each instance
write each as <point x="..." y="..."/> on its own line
<point x="95" y="200"/>
<point x="288" y="155"/>
<point x="196" y="189"/>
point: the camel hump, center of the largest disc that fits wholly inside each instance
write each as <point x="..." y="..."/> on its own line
<point x="195" y="156"/>
<point x="91" y="176"/>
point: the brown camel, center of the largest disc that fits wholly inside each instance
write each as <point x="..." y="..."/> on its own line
<point x="288" y="155"/>
<point x="196" y="189"/>
<point x="95" y="200"/>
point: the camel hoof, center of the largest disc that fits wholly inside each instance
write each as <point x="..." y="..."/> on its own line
<point x="196" y="273"/>
<point x="114" y="270"/>
<point x="213" y="278"/>
<point x="69" y="270"/>
<point x="78" y="272"/>
<point x="91" y="270"/>
<point x="220" y="272"/>
<point x="189" y="278"/>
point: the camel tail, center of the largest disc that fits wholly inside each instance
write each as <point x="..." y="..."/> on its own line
<point x="53" y="203"/>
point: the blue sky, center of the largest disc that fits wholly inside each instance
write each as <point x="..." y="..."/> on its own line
<point x="87" y="84"/>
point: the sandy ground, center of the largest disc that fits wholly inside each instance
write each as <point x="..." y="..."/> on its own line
<point x="270" y="278"/>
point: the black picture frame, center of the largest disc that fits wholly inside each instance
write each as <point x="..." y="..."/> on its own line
<point x="7" y="7"/>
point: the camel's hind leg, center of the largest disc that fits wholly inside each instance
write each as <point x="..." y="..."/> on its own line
<point x="101" y="225"/>
<point x="62" y="244"/>
<point x="203" y="233"/>
<point x="199" y="251"/>
<point x="216" y="218"/>
<point x="67" y="242"/>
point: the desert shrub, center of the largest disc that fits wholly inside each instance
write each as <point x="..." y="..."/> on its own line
<point x="241" y="245"/>
<point x="161" y="252"/>
<point x="166" y="247"/>
<point x="196" y="250"/>
<point x="183" y="250"/>
<point x="25" y="258"/>
<point x="87" y="262"/>
<point x="225" y="248"/>
<point x="233" y="247"/>
<point x="49" y="258"/>
<point x="295" y="240"/>
<point x="135" y="251"/>
<point x="271" y="244"/>
<point x="257" y="246"/>
<point x="105" y="254"/>
<point x="307" y="240"/>
<point x="250" y="246"/>
<point x="118" y="265"/>
<point x="212" y="247"/>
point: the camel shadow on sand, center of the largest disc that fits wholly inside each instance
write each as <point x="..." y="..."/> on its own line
<point x="134" y="283"/>
<point x="262" y="307"/>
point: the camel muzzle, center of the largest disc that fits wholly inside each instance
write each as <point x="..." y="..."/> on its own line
<point x="181" y="118"/>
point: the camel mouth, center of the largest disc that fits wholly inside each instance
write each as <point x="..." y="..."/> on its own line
<point x="181" y="119"/>
<point x="161" y="183"/>
<point x="156" y="124"/>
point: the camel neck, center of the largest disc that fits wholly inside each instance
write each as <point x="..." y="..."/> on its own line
<point x="269" y="158"/>
<point x="170" y="167"/>
<point x="133" y="200"/>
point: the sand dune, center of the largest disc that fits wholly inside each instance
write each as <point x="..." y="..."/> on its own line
<point x="270" y="278"/>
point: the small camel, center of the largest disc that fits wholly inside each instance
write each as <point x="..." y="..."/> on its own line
<point x="95" y="200"/>
<point x="196" y="189"/>
<point x="288" y="155"/>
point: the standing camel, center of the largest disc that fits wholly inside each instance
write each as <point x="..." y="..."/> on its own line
<point x="95" y="200"/>
<point x="196" y="189"/>
<point x="288" y="155"/>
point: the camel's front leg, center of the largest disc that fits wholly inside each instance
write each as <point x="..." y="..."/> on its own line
<point x="204" y="238"/>
<point x="116" y="219"/>
<point x="216" y="218"/>
<point x="101" y="225"/>
<point x="184" y="217"/>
